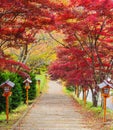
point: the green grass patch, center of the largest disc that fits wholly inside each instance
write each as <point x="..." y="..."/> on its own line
<point x="67" y="91"/>
<point x="14" y="115"/>
<point x="111" y="128"/>
<point x="98" y="111"/>
<point x="43" y="81"/>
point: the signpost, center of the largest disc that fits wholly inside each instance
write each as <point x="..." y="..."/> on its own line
<point x="105" y="90"/>
<point x="27" y="87"/>
<point x="105" y="94"/>
<point x="6" y="86"/>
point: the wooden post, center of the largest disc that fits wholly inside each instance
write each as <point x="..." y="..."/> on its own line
<point x="7" y="108"/>
<point x="27" y="87"/>
<point x="39" y="87"/>
<point x="105" y="108"/>
<point x="26" y="96"/>
<point x="105" y="89"/>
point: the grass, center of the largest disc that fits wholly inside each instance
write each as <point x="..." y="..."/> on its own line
<point x="88" y="105"/>
<point x="43" y="82"/>
<point x="67" y="91"/>
<point x="96" y="112"/>
<point x="14" y="115"/>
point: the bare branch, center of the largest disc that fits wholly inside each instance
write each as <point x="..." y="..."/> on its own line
<point x="57" y="40"/>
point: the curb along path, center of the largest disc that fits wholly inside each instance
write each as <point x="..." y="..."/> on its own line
<point x="54" y="111"/>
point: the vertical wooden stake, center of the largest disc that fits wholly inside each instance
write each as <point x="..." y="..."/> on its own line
<point x="7" y="108"/>
<point x="39" y="87"/>
<point x="27" y="96"/>
<point x="84" y="97"/>
<point x="104" y="108"/>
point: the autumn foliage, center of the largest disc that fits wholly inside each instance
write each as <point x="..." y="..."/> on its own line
<point x="20" y="21"/>
<point x="87" y="57"/>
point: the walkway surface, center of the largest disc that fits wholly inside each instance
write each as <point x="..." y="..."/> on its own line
<point x="54" y="111"/>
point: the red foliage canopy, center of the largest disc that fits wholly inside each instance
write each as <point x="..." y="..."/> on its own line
<point x="88" y="30"/>
<point x="20" y="20"/>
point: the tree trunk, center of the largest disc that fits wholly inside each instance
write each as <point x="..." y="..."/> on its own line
<point x="95" y="101"/>
<point x="83" y="95"/>
<point x="94" y="98"/>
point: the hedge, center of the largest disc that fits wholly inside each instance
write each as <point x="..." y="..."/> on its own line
<point x="18" y="92"/>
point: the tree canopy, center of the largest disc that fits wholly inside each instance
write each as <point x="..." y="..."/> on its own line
<point x="86" y="58"/>
<point x="20" y="21"/>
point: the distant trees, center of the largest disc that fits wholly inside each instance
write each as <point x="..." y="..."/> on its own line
<point x="20" y="21"/>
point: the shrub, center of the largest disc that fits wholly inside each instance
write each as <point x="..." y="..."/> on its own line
<point x="32" y="90"/>
<point x="2" y="101"/>
<point x="16" y="97"/>
<point x="18" y="91"/>
<point x="70" y="88"/>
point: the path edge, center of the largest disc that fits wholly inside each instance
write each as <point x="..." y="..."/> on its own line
<point x="24" y="114"/>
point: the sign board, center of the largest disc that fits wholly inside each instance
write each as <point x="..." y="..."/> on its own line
<point x="6" y="86"/>
<point x="106" y="90"/>
<point x="6" y="89"/>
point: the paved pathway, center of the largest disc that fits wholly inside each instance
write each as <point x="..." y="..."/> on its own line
<point x="54" y="111"/>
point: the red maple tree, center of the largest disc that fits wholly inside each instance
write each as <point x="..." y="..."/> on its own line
<point x="20" y="21"/>
<point x="87" y="26"/>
